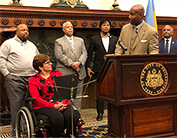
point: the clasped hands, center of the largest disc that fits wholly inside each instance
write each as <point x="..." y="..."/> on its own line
<point x="75" y="65"/>
<point x="60" y="106"/>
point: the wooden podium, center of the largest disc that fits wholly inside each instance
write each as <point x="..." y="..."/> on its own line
<point x="141" y="92"/>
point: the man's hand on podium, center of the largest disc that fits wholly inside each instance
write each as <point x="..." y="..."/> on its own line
<point x="105" y="56"/>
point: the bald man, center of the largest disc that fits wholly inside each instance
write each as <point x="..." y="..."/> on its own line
<point x="139" y="37"/>
<point x="16" y="56"/>
<point x="168" y="45"/>
<point x="71" y="56"/>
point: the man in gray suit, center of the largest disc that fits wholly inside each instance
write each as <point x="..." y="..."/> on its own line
<point x="71" y="56"/>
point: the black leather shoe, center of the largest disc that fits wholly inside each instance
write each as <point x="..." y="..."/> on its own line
<point x="82" y="122"/>
<point x="99" y="117"/>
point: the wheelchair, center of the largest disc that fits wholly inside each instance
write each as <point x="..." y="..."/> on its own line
<point x="31" y="125"/>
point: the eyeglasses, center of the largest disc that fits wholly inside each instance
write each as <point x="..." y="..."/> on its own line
<point x="48" y="62"/>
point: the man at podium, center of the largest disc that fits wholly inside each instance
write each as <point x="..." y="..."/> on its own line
<point x="137" y="37"/>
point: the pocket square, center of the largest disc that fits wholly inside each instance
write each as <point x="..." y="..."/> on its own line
<point x="143" y="41"/>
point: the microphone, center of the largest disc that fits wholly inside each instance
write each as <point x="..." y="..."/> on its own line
<point x="136" y="31"/>
<point x="122" y="45"/>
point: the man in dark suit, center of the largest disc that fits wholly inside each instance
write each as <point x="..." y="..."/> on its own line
<point x="102" y="44"/>
<point x="167" y="44"/>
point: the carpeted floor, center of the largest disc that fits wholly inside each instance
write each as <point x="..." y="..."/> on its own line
<point x="95" y="131"/>
<point x="92" y="128"/>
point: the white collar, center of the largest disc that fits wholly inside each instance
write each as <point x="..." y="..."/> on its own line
<point x="138" y="26"/>
<point x="168" y="39"/>
<point x="69" y="37"/>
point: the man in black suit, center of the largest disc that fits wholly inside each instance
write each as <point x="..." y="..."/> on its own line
<point x="102" y="44"/>
<point x="167" y="44"/>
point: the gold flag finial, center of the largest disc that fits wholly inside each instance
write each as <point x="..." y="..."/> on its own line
<point x="115" y="5"/>
<point x="16" y="3"/>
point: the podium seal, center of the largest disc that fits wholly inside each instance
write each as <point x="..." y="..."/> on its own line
<point x="154" y="78"/>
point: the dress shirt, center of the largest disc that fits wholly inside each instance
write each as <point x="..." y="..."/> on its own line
<point x="105" y="42"/>
<point x="136" y="28"/>
<point x="71" y="39"/>
<point x="169" y="43"/>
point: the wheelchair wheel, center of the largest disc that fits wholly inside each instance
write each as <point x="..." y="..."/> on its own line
<point x="24" y="124"/>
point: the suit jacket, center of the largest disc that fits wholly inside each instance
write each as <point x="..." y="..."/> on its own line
<point x="173" y="46"/>
<point x="96" y="45"/>
<point x="147" y="41"/>
<point x="65" y="55"/>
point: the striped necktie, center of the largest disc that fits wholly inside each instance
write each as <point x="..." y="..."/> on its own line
<point x="70" y="40"/>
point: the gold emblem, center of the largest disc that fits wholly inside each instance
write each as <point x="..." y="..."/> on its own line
<point x="154" y="78"/>
<point x="72" y="3"/>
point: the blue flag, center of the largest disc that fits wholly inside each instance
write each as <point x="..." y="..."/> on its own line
<point x="150" y="14"/>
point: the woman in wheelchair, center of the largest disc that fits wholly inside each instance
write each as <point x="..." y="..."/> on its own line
<point x="41" y="88"/>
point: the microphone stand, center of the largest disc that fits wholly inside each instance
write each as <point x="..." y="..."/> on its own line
<point x="72" y="112"/>
<point x="72" y="101"/>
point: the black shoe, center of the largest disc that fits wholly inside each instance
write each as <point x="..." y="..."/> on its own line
<point x="13" y="133"/>
<point x="99" y="117"/>
<point x="81" y="122"/>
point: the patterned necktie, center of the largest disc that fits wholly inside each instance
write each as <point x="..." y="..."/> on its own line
<point x="166" y="47"/>
<point x="70" y="40"/>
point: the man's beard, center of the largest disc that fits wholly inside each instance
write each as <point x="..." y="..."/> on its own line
<point x="166" y="36"/>
<point x="105" y="33"/>
<point x="24" y="39"/>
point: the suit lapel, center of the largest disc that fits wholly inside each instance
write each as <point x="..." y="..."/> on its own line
<point x="171" y="45"/>
<point x="129" y="40"/>
<point x="141" y="33"/>
<point x="75" y="45"/>
<point x="163" y="46"/>
<point x="110" y="44"/>
<point x="101" y="43"/>
<point x="69" y="44"/>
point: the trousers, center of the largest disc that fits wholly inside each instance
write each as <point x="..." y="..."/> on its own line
<point x="60" y="120"/>
<point x="16" y="86"/>
<point x="99" y="103"/>
<point x="77" y="101"/>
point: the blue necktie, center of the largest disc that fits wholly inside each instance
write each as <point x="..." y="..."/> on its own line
<point x="166" y="47"/>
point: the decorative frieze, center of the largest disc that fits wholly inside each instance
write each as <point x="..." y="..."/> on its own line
<point x="4" y="21"/>
<point x="17" y="21"/>
<point x="41" y="22"/>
